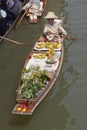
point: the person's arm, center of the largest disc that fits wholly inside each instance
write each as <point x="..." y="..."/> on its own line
<point x="62" y="30"/>
<point x="26" y="6"/>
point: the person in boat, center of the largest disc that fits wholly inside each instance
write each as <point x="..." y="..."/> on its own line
<point x="14" y="10"/>
<point x="3" y="4"/>
<point x="6" y="4"/>
<point x="34" y="7"/>
<point x="10" y="4"/>
<point x="3" y="22"/>
<point x="53" y="28"/>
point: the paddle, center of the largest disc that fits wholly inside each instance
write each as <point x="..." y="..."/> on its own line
<point x="11" y="40"/>
<point x="51" y="35"/>
<point x="69" y="37"/>
<point x="20" y="20"/>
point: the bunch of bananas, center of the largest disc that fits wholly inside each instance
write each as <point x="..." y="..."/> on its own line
<point x="50" y="53"/>
<point x="56" y="45"/>
<point x="39" y="55"/>
<point x="49" y="45"/>
<point x="40" y="45"/>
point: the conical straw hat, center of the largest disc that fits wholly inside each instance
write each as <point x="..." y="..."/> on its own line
<point x="51" y="15"/>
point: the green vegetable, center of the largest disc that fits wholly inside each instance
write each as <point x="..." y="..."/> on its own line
<point x="33" y="81"/>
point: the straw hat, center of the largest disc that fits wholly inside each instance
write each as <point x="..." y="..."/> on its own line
<point x="51" y="15"/>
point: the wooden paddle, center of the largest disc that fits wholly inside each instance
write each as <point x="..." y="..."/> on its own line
<point x="69" y="37"/>
<point x="62" y="35"/>
<point x="11" y="40"/>
<point x="20" y="20"/>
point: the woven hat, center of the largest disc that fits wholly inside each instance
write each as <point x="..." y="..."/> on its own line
<point x="51" y="15"/>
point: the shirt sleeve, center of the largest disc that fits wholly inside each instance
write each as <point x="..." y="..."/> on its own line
<point x="45" y="29"/>
<point x="61" y="29"/>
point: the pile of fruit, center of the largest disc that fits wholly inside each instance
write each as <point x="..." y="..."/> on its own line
<point x="39" y="55"/>
<point x="48" y="45"/>
<point x="40" y="45"/>
<point x="22" y="108"/>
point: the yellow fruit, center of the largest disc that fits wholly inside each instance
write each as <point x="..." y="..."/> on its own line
<point x="40" y="55"/>
<point x="40" y="45"/>
<point x="24" y="110"/>
<point x="19" y="109"/>
<point x="59" y="45"/>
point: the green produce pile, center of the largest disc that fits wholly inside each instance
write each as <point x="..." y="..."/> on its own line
<point x="34" y="81"/>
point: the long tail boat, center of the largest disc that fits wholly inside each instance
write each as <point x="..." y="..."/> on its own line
<point x="30" y="15"/>
<point x="10" y="24"/>
<point x="40" y="71"/>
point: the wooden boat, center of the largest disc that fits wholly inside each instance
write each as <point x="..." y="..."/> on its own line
<point x="40" y="71"/>
<point x="38" y="13"/>
<point x="10" y="25"/>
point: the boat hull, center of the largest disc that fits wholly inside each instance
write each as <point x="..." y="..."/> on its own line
<point x="28" y="106"/>
<point x="33" y="20"/>
<point x="11" y="24"/>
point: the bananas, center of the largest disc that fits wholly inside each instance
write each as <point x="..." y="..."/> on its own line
<point x="48" y="45"/>
<point x="39" y="55"/>
<point x="56" y="45"/>
<point x="50" y="53"/>
<point x="40" y="45"/>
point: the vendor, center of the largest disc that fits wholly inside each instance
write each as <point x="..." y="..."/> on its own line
<point x="15" y="10"/>
<point x="52" y="28"/>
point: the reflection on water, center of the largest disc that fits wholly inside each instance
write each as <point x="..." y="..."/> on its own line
<point x="66" y="81"/>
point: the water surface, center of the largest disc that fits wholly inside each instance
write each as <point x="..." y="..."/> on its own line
<point x="65" y="107"/>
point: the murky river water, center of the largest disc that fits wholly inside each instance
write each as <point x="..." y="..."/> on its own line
<point x="65" y="107"/>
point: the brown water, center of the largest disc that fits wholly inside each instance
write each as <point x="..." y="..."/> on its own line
<point x="65" y="107"/>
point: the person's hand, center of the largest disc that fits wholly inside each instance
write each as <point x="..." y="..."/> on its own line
<point x="48" y="32"/>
